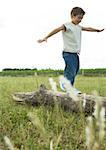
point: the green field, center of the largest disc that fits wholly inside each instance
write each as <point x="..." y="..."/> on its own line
<point x="66" y="131"/>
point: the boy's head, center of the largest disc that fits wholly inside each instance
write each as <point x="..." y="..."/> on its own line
<point x="77" y="14"/>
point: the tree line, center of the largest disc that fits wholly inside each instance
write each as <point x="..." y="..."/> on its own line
<point x="50" y="72"/>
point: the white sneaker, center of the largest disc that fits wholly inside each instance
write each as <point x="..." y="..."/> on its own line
<point x="62" y="86"/>
<point x="76" y="91"/>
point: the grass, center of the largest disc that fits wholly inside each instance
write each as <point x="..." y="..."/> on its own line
<point x="89" y="84"/>
<point x="31" y="128"/>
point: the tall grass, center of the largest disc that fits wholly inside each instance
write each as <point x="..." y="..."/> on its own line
<point x="40" y="128"/>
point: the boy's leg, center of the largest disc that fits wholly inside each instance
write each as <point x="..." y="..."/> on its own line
<point x="71" y="66"/>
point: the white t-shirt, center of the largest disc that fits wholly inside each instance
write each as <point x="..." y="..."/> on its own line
<point x="72" y="38"/>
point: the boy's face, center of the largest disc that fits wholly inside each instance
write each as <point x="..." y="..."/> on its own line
<point x="77" y="19"/>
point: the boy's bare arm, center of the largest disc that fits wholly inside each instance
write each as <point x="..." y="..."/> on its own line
<point x="91" y="29"/>
<point x="52" y="33"/>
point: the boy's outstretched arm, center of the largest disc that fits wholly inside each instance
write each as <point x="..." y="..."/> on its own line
<point x="52" y="33"/>
<point x="91" y="29"/>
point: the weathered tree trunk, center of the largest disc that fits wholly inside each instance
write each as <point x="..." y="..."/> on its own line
<point x="49" y="98"/>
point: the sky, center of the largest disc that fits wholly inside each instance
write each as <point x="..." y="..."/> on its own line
<point x="23" y="22"/>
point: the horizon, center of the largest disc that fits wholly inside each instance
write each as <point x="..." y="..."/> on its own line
<point x="42" y="68"/>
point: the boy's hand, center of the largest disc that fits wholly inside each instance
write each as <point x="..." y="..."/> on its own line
<point x="42" y="40"/>
<point x="100" y="30"/>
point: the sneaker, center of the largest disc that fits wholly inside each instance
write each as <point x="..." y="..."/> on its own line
<point x="62" y="86"/>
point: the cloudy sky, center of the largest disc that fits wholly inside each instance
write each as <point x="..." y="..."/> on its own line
<point x="23" y="22"/>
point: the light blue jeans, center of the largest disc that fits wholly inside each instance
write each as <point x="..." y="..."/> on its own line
<point x="71" y="66"/>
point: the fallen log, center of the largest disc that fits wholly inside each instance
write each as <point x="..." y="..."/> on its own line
<point x="49" y="98"/>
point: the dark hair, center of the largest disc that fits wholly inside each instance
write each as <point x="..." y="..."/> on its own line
<point x="77" y="11"/>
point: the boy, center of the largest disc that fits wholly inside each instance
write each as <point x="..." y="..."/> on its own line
<point x="71" y="32"/>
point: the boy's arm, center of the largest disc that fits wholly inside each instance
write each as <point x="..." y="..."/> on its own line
<point x="52" y="33"/>
<point x="91" y="29"/>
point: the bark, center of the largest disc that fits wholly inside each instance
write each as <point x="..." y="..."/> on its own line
<point x="49" y="98"/>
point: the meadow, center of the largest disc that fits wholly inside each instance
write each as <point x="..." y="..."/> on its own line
<point x="43" y="128"/>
